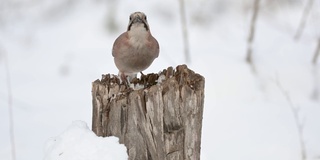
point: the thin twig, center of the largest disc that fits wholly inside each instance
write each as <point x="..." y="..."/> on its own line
<point x="315" y="94"/>
<point x="316" y="88"/>
<point x="303" y="19"/>
<point x="295" y="111"/>
<point x="252" y="32"/>
<point x="10" y="105"/>
<point x="316" y="53"/>
<point x="184" y="31"/>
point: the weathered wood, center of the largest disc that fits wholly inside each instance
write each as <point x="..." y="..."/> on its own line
<point x="163" y="120"/>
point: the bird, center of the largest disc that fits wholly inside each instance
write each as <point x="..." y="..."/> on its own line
<point x="135" y="50"/>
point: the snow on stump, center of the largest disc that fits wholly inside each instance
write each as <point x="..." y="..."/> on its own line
<point x="160" y="119"/>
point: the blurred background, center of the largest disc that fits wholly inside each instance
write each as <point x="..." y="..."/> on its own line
<point x="265" y="107"/>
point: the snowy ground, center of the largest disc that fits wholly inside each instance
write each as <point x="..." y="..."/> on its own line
<point x="56" y="51"/>
<point x="79" y="142"/>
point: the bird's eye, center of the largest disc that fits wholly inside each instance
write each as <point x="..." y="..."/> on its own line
<point x="145" y="17"/>
<point x="130" y="18"/>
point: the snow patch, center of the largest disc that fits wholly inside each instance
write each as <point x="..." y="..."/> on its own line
<point x="161" y="79"/>
<point x="78" y="142"/>
<point x="136" y="86"/>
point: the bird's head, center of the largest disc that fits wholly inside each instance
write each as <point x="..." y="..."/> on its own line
<point x="138" y="19"/>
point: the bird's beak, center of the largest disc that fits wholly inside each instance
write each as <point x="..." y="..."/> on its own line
<point x="137" y="20"/>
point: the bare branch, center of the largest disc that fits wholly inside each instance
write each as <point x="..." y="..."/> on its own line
<point x="252" y="30"/>
<point x="252" y="34"/>
<point x="184" y="31"/>
<point x="303" y="19"/>
<point x="315" y="92"/>
<point x="316" y="53"/>
<point x="10" y="107"/>
<point x="295" y="112"/>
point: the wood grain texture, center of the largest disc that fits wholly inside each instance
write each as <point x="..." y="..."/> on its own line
<point x="161" y="121"/>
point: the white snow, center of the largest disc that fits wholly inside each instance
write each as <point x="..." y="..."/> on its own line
<point x="161" y="79"/>
<point x="56" y="49"/>
<point x="78" y="142"/>
<point x="136" y="86"/>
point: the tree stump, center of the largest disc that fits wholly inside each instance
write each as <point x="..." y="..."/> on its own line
<point x="160" y="121"/>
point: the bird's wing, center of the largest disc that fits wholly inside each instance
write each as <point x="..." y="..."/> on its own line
<point x="120" y="41"/>
<point x="155" y="47"/>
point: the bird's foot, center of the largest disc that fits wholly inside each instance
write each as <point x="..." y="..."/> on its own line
<point x="124" y="80"/>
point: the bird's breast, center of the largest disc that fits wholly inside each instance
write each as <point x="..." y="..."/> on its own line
<point x="138" y="43"/>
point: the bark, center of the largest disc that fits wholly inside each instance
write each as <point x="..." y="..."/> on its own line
<point x="160" y="121"/>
